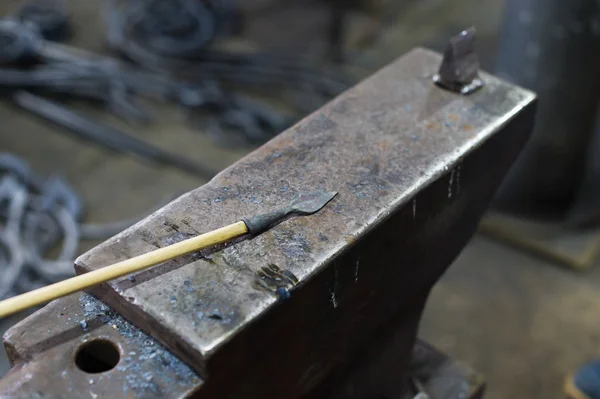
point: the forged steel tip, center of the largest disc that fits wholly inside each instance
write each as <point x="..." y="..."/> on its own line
<point x="312" y="202"/>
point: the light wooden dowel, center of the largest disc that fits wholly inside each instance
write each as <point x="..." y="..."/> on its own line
<point x="120" y="269"/>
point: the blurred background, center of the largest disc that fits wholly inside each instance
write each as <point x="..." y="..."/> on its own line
<point x="112" y="108"/>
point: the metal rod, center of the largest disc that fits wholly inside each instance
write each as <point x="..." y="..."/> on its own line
<point x="106" y="135"/>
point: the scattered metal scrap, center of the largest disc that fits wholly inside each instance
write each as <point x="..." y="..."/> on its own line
<point x="50" y="17"/>
<point x="39" y="217"/>
<point x="106" y="135"/>
<point x="60" y="70"/>
<point x="171" y="38"/>
<point x="179" y="45"/>
<point x="101" y="80"/>
<point x="20" y="42"/>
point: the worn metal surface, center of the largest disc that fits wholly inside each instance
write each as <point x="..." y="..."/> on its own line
<point x="44" y="346"/>
<point x="415" y="166"/>
<point x="147" y="370"/>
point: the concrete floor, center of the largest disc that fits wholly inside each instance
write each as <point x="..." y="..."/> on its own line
<point x="521" y="321"/>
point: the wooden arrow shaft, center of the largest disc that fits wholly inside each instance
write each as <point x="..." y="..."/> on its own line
<point x="120" y="269"/>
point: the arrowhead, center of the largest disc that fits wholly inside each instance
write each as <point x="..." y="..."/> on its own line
<point x="312" y="202"/>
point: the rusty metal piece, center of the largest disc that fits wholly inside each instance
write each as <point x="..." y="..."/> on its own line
<point x="305" y="204"/>
<point x="415" y="167"/>
<point x="459" y="70"/>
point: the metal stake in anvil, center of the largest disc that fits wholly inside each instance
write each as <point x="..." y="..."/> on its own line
<point x="305" y="204"/>
<point x="459" y="70"/>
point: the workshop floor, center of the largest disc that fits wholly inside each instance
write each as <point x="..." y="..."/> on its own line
<point x="521" y="321"/>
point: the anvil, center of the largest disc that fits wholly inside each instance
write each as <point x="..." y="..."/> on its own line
<point x="415" y="167"/>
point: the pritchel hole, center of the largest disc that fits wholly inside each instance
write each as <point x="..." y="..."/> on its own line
<point x="97" y="356"/>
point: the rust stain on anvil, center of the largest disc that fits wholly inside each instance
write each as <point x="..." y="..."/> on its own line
<point x="373" y="145"/>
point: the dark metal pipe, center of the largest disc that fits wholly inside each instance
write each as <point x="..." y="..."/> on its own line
<point x="553" y="48"/>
